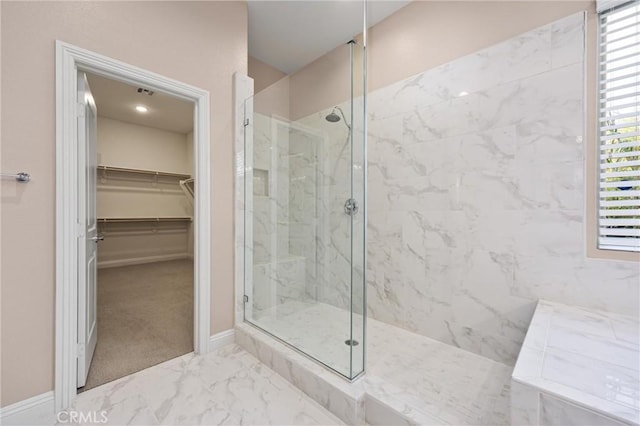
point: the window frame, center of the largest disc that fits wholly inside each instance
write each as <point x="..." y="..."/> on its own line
<point x="611" y="7"/>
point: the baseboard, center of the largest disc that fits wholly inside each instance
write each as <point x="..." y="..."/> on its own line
<point x="37" y="410"/>
<point x="221" y="339"/>
<point x="141" y="260"/>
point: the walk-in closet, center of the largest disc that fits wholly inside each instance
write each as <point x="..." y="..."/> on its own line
<point x="144" y="211"/>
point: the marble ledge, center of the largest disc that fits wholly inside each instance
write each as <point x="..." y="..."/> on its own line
<point x="586" y="357"/>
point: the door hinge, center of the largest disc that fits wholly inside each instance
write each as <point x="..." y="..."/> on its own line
<point x="80" y="109"/>
<point x="80" y="350"/>
<point x="246" y="299"/>
<point x="246" y="122"/>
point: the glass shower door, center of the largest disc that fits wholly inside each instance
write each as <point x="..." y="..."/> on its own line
<point x="304" y="218"/>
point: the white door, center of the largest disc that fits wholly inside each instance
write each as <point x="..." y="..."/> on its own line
<point x="87" y="221"/>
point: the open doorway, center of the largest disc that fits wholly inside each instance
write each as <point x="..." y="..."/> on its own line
<point x="77" y="237"/>
<point x="144" y="198"/>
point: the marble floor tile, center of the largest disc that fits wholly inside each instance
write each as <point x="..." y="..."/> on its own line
<point x="423" y="380"/>
<point x="226" y="387"/>
<point x="317" y="329"/>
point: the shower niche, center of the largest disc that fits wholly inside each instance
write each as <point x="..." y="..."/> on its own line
<point x="260" y="183"/>
<point x="303" y="253"/>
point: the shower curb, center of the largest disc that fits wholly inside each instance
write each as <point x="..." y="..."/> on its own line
<point x="344" y="399"/>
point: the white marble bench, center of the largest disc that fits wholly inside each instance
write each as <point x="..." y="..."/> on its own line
<point x="577" y="367"/>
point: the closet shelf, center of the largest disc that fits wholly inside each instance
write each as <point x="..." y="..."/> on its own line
<point x="142" y="219"/>
<point x="143" y="172"/>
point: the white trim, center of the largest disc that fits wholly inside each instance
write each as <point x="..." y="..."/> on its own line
<point x="70" y="59"/>
<point x="142" y="260"/>
<point x="37" y="410"/>
<point x="221" y="339"/>
<point x="242" y="90"/>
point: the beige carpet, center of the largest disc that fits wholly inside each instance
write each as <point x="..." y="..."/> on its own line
<point x="145" y="317"/>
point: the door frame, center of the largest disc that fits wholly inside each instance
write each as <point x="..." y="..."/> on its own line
<point x="69" y="60"/>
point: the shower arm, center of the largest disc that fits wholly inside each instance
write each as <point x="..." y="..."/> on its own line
<point x="343" y="117"/>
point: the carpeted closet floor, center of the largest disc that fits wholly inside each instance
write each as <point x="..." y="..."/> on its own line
<point x="145" y="317"/>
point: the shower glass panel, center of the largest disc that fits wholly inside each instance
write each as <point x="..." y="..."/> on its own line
<point x="305" y="213"/>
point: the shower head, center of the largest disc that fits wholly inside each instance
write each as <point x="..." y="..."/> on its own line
<point x="332" y="117"/>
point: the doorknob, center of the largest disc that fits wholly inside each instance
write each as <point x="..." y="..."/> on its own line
<point x="98" y="237"/>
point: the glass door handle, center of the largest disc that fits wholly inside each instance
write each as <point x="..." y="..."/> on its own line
<point x="98" y="237"/>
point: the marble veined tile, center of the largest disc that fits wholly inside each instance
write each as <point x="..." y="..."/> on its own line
<point x="423" y="380"/>
<point x="318" y="329"/>
<point x="602" y="379"/>
<point x="524" y="55"/>
<point x="226" y="387"/>
<point x="556" y="412"/>
<point x="568" y="40"/>
<point x="476" y="202"/>
<point x="273" y="399"/>
<point x="584" y="357"/>
<point x="616" y="352"/>
<point x="434" y="379"/>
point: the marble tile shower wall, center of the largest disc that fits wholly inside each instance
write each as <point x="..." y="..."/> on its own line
<point x="476" y="195"/>
<point x="301" y="236"/>
<point x="304" y="202"/>
<point x="333" y="238"/>
<point x="262" y="221"/>
<point x="278" y="274"/>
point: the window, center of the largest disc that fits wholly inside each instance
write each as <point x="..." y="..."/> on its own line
<point x="619" y="125"/>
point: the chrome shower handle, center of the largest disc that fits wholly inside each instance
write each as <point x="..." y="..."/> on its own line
<point x="351" y="207"/>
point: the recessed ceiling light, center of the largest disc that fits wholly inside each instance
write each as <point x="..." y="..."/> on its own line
<point x="463" y="93"/>
<point x="141" y="108"/>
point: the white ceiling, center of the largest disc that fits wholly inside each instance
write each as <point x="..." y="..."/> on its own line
<point x="118" y="101"/>
<point x="290" y="34"/>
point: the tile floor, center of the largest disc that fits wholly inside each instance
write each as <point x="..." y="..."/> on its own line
<point x="428" y="382"/>
<point x="317" y="329"/>
<point x="225" y="387"/>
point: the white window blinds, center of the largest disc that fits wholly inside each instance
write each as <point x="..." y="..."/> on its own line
<point x="605" y="5"/>
<point x="619" y="128"/>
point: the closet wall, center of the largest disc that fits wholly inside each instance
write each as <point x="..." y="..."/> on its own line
<point x="125" y="198"/>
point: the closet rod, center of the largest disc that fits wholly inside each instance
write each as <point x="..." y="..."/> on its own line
<point x="141" y="171"/>
<point x="142" y="219"/>
<point x="19" y="177"/>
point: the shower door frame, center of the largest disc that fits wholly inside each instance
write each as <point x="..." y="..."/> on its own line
<point x="69" y="60"/>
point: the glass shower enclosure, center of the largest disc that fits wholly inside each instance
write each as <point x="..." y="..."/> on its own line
<point x="305" y="213"/>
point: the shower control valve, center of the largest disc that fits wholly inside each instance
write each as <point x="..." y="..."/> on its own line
<point x="351" y="207"/>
